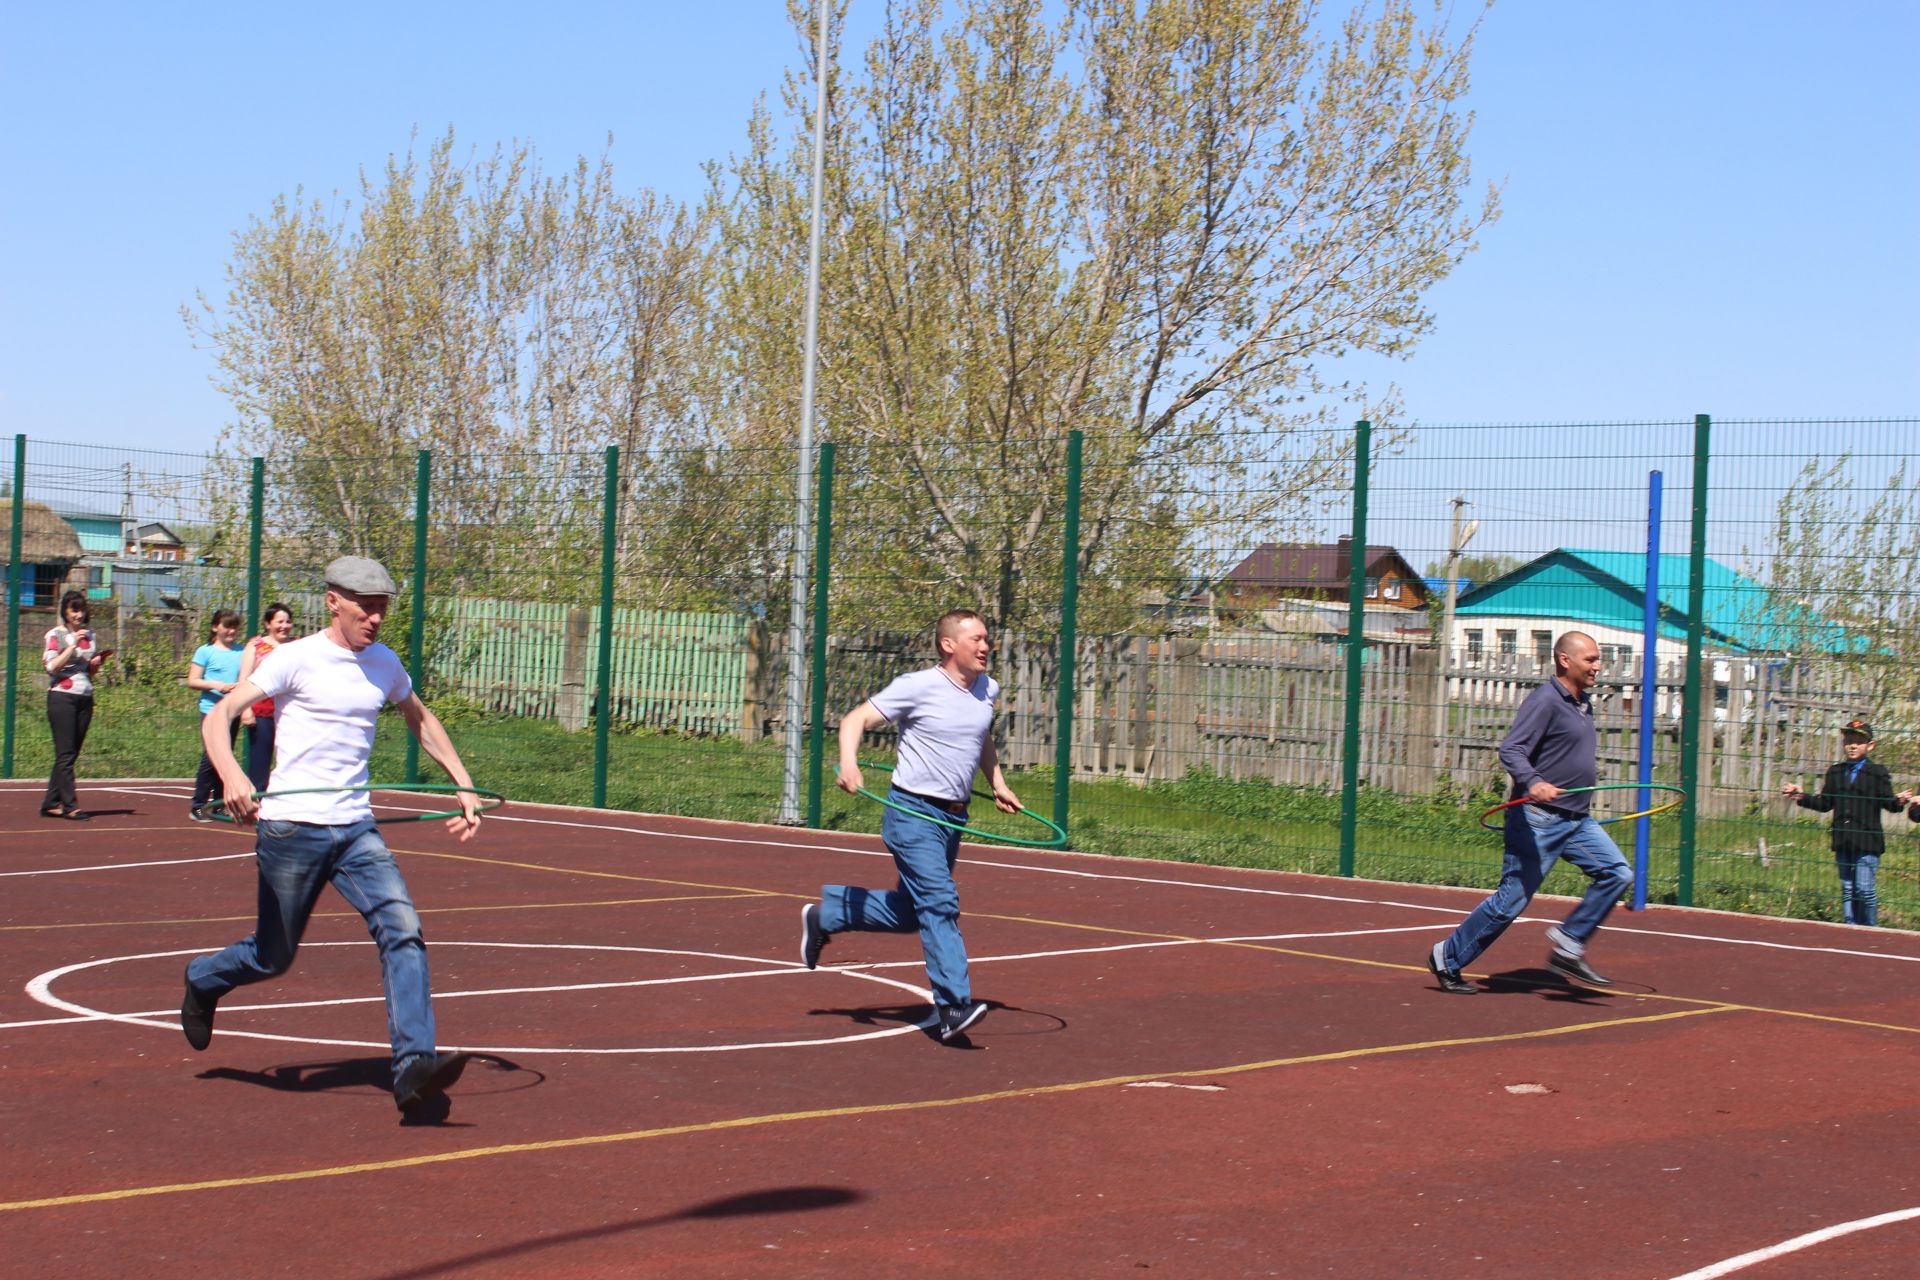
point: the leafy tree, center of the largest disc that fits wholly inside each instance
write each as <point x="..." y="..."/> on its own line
<point x="1153" y="222"/>
<point x="1837" y="590"/>
<point x="504" y="320"/>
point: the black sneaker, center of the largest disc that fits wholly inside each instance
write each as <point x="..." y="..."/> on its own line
<point x="1577" y="967"/>
<point x="196" y="1016"/>
<point x="812" y="937"/>
<point x="426" y="1075"/>
<point x="1449" y="979"/>
<point x="955" y="1019"/>
<point x="199" y="813"/>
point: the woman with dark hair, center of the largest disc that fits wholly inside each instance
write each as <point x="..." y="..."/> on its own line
<point x="276" y="628"/>
<point x="214" y="671"/>
<point x="72" y="659"/>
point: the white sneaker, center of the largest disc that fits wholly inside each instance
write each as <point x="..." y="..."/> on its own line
<point x="1563" y="944"/>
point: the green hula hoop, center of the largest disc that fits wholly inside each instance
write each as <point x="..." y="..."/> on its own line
<point x="220" y="814"/>
<point x="1058" y="840"/>
<point x="1680" y="798"/>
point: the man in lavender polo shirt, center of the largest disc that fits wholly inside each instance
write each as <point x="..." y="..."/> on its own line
<point x="1551" y="749"/>
<point x="944" y="714"/>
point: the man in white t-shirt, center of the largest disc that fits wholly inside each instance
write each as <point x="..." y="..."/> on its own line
<point x="328" y="690"/>
<point x="944" y="715"/>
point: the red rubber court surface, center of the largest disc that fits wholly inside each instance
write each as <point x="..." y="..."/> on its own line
<point x="1189" y="1070"/>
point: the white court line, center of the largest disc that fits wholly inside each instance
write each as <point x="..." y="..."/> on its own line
<point x="40" y="988"/>
<point x="121" y="866"/>
<point x="790" y="967"/>
<point x="1454" y="912"/>
<point x="1772" y="1251"/>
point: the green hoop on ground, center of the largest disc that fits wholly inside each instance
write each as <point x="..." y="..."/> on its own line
<point x="1057" y="841"/>
<point x="1679" y="798"/>
<point x="219" y="810"/>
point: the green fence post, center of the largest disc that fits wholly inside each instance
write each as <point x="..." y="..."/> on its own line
<point x="13" y="602"/>
<point x="822" y="551"/>
<point x="1691" y="712"/>
<point x="603" y="679"/>
<point x="1069" y="633"/>
<point x="256" y="517"/>
<point x="416" y="641"/>
<point x="1356" y="647"/>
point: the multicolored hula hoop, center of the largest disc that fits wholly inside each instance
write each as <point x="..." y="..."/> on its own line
<point x="1679" y="798"/>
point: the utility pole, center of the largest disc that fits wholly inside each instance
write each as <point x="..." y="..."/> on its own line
<point x="126" y="509"/>
<point x="803" y="500"/>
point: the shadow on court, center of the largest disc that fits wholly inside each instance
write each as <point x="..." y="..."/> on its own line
<point x="1004" y="1020"/>
<point x="752" y="1203"/>
<point x="1550" y="985"/>
<point x="487" y="1073"/>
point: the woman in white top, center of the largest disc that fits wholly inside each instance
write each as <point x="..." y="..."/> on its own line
<point x="72" y="659"/>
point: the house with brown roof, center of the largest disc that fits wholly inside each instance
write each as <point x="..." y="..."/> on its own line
<point x="49" y="550"/>
<point x="1278" y="574"/>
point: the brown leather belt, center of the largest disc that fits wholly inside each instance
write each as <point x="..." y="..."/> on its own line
<point x="945" y="806"/>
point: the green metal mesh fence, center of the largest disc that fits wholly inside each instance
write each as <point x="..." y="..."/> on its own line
<point x="1175" y="633"/>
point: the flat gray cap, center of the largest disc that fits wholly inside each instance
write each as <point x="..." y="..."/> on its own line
<point x="361" y="576"/>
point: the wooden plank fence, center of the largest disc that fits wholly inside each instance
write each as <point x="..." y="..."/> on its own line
<point x="683" y="671"/>
<point x="1273" y="707"/>
<point x="1151" y="707"/>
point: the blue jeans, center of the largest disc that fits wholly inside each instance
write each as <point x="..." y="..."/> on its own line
<point x="1536" y="839"/>
<point x="1859" y="898"/>
<point x="296" y="860"/>
<point x="926" y="901"/>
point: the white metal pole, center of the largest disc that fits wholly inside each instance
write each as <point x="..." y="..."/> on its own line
<point x="803" y="468"/>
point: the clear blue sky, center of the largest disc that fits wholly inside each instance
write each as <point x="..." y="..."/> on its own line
<point x="1710" y="206"/>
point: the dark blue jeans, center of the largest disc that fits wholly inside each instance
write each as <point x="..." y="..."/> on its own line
<point x="1859" y="889"/>
<point x="1536" y="839"/>
<point x="296" y="861"/>
<point x="927" y="901"/>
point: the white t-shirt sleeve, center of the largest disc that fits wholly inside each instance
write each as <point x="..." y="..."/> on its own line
<point x="400" y="684"/>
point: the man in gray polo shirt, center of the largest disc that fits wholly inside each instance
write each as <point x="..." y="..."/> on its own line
<point x="1550" y="750"/>
<point x="944" y="715"/>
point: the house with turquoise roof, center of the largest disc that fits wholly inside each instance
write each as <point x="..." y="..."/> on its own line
<point x="1603" y="593"/>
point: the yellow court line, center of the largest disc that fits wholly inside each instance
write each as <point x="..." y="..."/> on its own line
<point x="1401" y="967"/>
<point x="354" y="915"/>
<point x="834" y="1113"/>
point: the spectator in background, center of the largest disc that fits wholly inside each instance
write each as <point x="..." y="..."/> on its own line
<point x="72" y="659"/>
<point x="214" y="671"/>
<point x="276" y="628"/>
<point x="1855" y="791"/>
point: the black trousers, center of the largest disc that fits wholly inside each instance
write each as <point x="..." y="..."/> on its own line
<point x="70" y="715"/>
<point x="206" y="782"/>
<point x="260" y="751"/>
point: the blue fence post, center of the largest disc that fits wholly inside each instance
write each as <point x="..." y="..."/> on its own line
<point x="1649" y="689"/>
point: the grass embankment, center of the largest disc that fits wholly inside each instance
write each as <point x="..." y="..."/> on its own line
<point x="1202" y="818"/>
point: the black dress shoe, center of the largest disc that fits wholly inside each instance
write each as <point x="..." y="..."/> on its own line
<point x="425" y="1076"/>
<point x="1449" y="979"/>
<point x="196" y="1017"/>
<point x="1577" y="967"/>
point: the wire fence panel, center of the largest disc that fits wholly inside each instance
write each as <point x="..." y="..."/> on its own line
<point x="1174" y="629"/>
